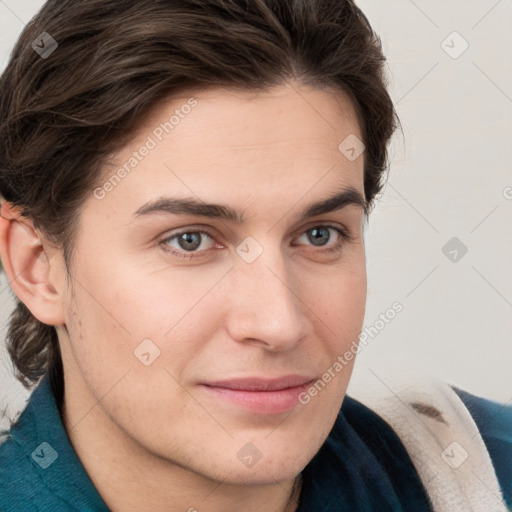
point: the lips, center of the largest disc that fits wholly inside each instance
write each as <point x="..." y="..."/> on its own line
<point x="259" y="395"/>
<point x="261" y="384"/>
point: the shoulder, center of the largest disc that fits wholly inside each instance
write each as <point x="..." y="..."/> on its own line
<point x="494" y="422"/>
<point x="39" y="468"/>
<point x="28" y="449"/>
<point x="19" y="485"/>
<point x="442" y="432"/>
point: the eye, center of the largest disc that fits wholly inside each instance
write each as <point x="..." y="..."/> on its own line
<point x="320" y="235"/>
<point x="188" y="242"/>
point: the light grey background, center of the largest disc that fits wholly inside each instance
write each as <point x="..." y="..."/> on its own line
<point x="449" y="177"/>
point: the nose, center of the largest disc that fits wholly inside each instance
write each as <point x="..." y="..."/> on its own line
<point x="265" y="303"/>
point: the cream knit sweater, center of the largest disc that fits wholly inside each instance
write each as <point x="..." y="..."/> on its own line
<point x="440" y="436"/>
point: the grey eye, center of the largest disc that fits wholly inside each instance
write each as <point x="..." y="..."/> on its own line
<point x="318" y="235"/>
<point x="189" y="241"/>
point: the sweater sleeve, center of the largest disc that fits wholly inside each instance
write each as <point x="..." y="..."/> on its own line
<point x="494" y="421"/>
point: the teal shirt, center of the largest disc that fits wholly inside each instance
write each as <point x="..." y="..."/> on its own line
<point x="362" y="466"/>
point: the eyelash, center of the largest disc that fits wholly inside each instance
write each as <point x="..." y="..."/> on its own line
<point x="344" y="235"/>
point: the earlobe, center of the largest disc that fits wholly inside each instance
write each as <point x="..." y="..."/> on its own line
<point x="28" y="266"/>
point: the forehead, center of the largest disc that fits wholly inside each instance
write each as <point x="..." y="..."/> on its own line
<point x="218" y="141"/>
<point x="215" y="116"/>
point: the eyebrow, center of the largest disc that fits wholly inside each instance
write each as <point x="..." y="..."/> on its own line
<point x="180" y="206"/>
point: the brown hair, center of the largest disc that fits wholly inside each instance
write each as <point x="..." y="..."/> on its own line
<point x="63" y="113"/>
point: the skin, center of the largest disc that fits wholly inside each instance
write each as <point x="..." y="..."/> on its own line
<point x="150" y="437"/>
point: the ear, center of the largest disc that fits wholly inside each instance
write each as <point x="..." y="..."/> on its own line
<point x="27" y="266"/>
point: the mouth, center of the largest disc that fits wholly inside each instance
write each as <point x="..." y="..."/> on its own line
<point x="260" y="395"/>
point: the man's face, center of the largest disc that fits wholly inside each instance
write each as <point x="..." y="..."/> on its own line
<point x="155" y="319"/>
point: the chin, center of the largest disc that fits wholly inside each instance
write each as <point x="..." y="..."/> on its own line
<point x="266" y="474"/>
<point x="273" y="467"/>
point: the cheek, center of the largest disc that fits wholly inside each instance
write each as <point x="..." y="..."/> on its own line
<point x="99" y="342"/>
<point x="338" y="305"/>
<point x="157" y="300"/>
<point x="338" y="301"/>
<point x="126" y="313"/>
